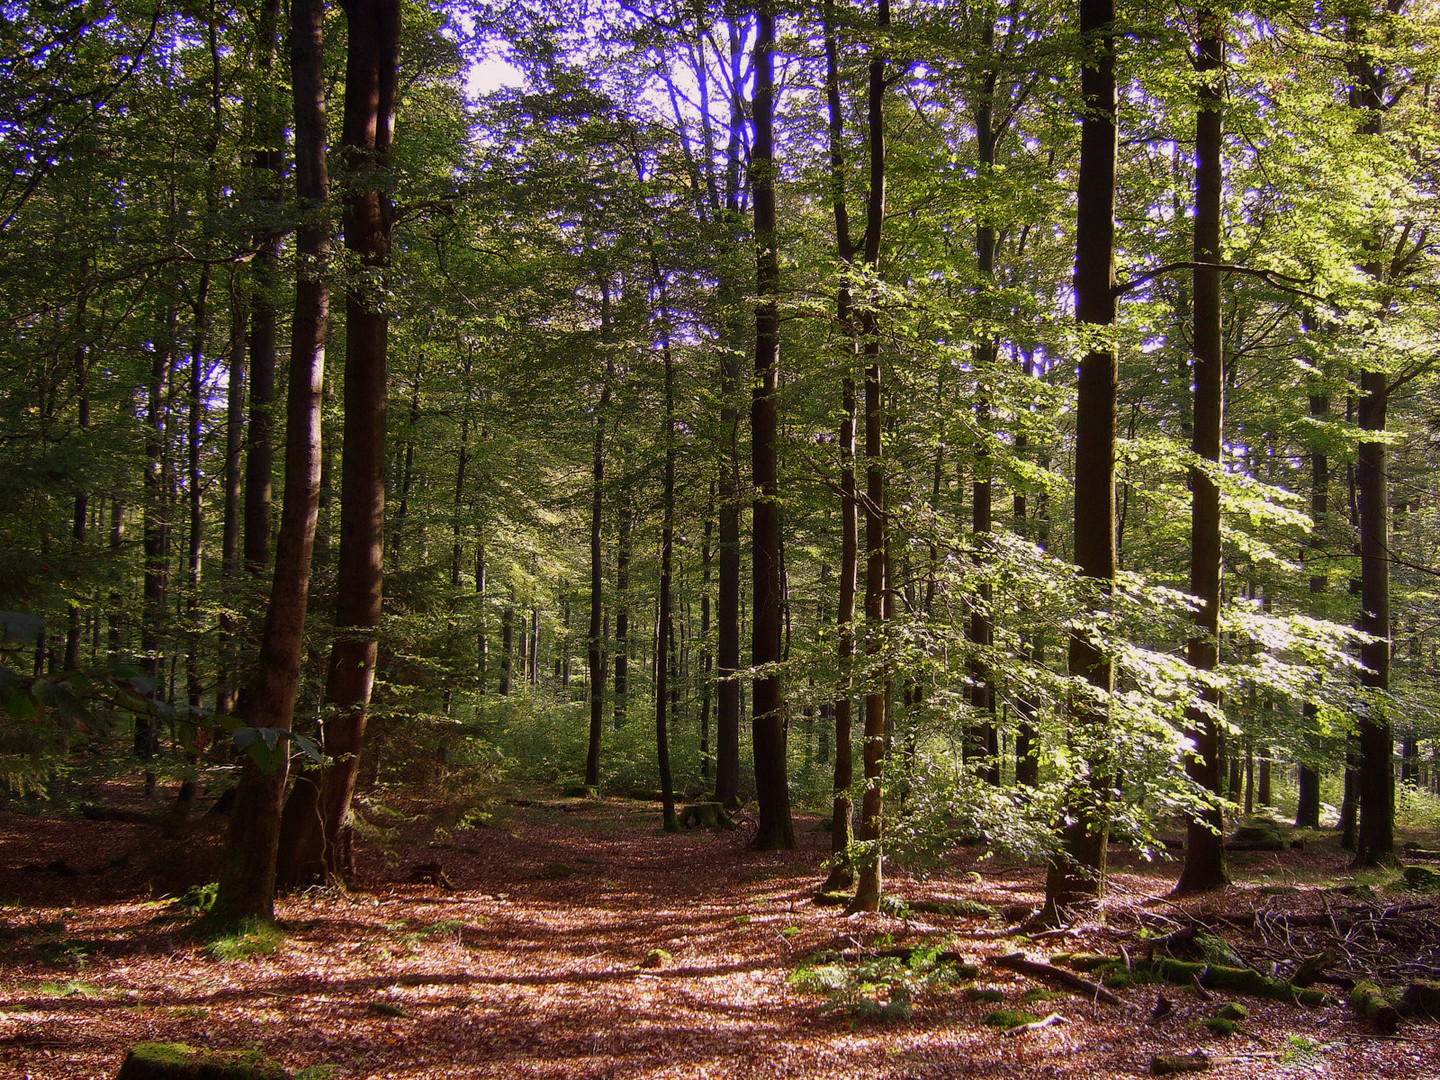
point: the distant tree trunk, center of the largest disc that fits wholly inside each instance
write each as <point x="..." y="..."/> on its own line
<point x="594" y="638"/>
<point x="727" y="598"/>
<point x="317" y="825"/>
<point x="1307" y="809"/>
<point x="80" y="519"/>
<point x="1077" y="872"/>
<point x="1204" y="837"/>
<point x="248" y="872"/>
<point x="156" y="531"/>
<point x="267" y="164"/>
<point x="622" y="615"/>
<point x="774" y="830"/>
<point x="507" y="644"/>
<point x="227" y="694"/>
<point x="869" y="881"/>
<point x="664" y="628"/>
<point x="707" y="659"/>
<point x="1375" y="838"/>
<point x="842" y="872"/>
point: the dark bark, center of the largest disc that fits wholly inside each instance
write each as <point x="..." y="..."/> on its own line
<point x="594" y="641"/>
<point x="248" y="873"/>
<point x="1307" y="809"/>
<point x="842" y="872"/>
<point x="621" y="645"/>
<point x="317" y="826"/>
<point x="727" y="598"/>
<point x="267" y="164"/>
<point x="1375" y="836"/>
<point x="1204" y="838"/>
<point x="774" y="830"/>
<point x="664" y="627"/>
<point x="874" y="749"/>
<point x="1076" y="873"/>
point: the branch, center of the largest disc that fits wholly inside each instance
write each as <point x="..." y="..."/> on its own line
<point x="1283" y="282"/>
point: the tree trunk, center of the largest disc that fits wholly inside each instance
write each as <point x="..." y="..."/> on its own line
<point x="622" y="614"/>
<point x="1077" y="872"/>
<point x="248" y="873"/>
<point x="594" y="639"/>
<point x="774" y="830"/>
<point x="317" y="825"/>
<point x="1204" y="836"/>
<point x="870" y="866"/>
<point x="727" y="598"/>
<point x="664" y="628"/>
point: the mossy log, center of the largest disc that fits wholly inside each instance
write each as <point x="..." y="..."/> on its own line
<point x="1236" y="980"/>
<point x="1169" y="1064"/>
<point x="1312" y="967"/>
<point x="1370" y="1001"/>
<point x="1421" y="998"/>
<point x="1051" y="974"/>
<point x="176" y="1061"/>
<point x="707" y="815"/>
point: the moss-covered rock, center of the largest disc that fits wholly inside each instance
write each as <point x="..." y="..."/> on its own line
<point x="176" y="1061"/>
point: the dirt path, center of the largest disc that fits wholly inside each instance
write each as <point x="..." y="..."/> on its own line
<point x="574" y="944"/>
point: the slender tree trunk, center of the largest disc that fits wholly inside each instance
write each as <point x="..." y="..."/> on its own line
<point x="774" y="830"/>
<point x="622" y="614"/>
<point x="1077" y="872"/>
<point x="869" y="881"/>
<point x="664" y="630"/>
<point x="1307" y="810"/>
<point x="707" y="659"/>
<point x="248" y="873"/>
<point x="317" y="846"/>
<point x="842" y="872"/>
<point x="1375" y="838"/>
<point x="727" y="598"/>
<point x="1204" y="838"/>
<point x="594" y="639"/>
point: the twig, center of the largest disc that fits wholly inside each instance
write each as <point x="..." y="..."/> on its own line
<point x="1036" y="1025"/>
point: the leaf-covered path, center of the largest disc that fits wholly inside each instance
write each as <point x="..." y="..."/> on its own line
<point x="574" y="940"/>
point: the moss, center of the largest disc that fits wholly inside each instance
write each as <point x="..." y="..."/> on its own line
<point x="656" y="958"/>
<point x="1237" y="980"/>
<point x="1039" y="993"/>
<point x="1220" y="1027"/>
<point x="384" y="1008"/>
<point x="1005" y="1019"/>
<point x="1233" y="1010"/>
<point x="176" y="1061"/>
<point x="979" y="993"/>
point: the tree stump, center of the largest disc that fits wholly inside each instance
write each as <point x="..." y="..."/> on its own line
<point x="176" y="1061"/>
<point x="706" y="815"/>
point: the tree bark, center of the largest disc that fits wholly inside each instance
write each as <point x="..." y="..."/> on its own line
<point x="248" y="873"/>
<point x="317" y="826"/>
<point x="1076" y="874"/>
<point x="727" y="597"/>
<point x="774" y="830"/>
<point x="1204" y="837"/>
<point x="870" y="863"/>
<point x="842" y="872"/>
<point x="594" y="638"/>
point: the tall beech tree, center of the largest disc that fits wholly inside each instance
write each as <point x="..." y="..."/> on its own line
<point x="1204" y="837"/>
<point x="869" y="865"/>
<point x="1077" y="870"/>
<point x="248" y="873"/>
<point x="317" y="832"/>
<point x="774" y="829"/>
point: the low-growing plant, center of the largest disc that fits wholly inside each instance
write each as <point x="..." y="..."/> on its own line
<point x="252" y="937"/>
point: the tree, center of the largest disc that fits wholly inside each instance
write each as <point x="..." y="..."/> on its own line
<point x="1077" y="870"/>
<point x="317" y="831"/>
<point x="248" y="874"/>
<point x="1204" y="837"/>
<point x="774" y="829"/>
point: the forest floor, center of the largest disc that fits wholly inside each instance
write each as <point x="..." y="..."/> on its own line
<point x="572" y="939"/>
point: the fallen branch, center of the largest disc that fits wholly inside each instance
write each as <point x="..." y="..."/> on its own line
<point x="1370" y="1001"/>
<point x="1049" y="973"/>
<point x="1036" y="1025"/>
